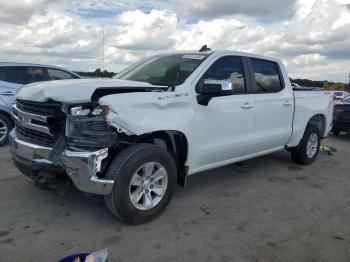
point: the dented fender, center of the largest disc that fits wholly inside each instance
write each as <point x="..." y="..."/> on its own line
<point x="145" y="112"/>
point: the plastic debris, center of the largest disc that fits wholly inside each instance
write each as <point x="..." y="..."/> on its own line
<point x="98" y="256"/>
<point x="327" y="150"/>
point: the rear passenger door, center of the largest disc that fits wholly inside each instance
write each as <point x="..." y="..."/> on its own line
<point x="274" y="105"/>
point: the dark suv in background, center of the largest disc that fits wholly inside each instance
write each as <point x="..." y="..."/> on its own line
<point x="341" y="117"/>
<point x="12" y="77"/>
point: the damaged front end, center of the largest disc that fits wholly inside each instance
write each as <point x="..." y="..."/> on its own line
<point x="86" y="127"/>
<point x="73" y="140"/>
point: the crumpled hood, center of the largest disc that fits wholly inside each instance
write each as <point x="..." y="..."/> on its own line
<point x="75" y="90"/>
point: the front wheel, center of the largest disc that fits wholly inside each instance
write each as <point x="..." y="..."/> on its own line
<point x="5" y="128"/>
<point x="144" y="179"/>
<point x="306" y="152"/>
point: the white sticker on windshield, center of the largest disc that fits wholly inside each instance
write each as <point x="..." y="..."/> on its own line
<point x="197" y="57"/>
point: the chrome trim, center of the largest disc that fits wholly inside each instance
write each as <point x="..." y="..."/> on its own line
<point x="27" y="150"/>
<point x="7" y="93"/>
<point x="25" y="119"/>
<point x="100" y="180"/>
<point x="32" y="145"/>
<point x="81" y="167"/>
<point x="32" y="116"/>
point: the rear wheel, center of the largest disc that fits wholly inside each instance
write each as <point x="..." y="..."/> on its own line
<point x="307" y="150"/>
<point x="336" y="132"/>
<point x="5" y="128"/>
<point x="145" y="177"/>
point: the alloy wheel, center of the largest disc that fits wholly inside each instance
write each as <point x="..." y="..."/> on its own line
<point x="148" y="185"/>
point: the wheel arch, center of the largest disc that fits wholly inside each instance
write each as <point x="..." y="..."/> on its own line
<point x="319" y="121"/>
<point x="7" y="114"/>
<point x="176" y="143"/>
<point x="300" y="127"/>
<point x="9" y="126"/>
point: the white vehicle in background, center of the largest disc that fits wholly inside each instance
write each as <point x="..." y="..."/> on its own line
<point x="338" y="95"/>
<point x="162" y="119"/>
<point x="12" y="77"/>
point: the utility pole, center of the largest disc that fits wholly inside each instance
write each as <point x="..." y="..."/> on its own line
<point x="103" y="49"/>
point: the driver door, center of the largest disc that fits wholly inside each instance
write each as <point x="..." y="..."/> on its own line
<point x="224" y="128"/>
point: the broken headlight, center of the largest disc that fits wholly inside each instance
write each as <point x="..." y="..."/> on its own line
<point x="86" y="126"/>
<point x="89" y="111"/>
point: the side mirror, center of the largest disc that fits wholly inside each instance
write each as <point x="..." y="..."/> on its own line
<point x="210" y="88"/>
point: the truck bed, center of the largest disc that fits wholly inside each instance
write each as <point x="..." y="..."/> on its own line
<point x="308" y="104"/>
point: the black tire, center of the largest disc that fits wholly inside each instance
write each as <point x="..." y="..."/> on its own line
<point x="299" y="153"/>
<point x="121" y="170"/>
<point x="336" y="132"/>
<point x="7" y="122"/>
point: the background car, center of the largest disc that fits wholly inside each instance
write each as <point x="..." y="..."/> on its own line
<point x="338" y="95"/>
<point x="341" y="117"/>
<point x="295" y="85"/>
<point x="12" y="77"/>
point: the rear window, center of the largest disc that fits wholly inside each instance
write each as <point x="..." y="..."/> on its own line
<point x="266" y="76"/>
<point x="338" y="93"/>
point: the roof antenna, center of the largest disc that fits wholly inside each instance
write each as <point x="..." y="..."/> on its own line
<point x="204" y="48"/>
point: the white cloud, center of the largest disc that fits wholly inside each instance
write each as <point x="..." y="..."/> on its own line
<point x="214" y="8"/>
<point x="19" y="11"/>
<point x="314" y="42"/>
<point x="137" y="30"/>
<point x="344" y="19"/>
<point x="218" y="33"/>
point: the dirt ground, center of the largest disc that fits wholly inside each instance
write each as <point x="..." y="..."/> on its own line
<point x="266" y="209"/>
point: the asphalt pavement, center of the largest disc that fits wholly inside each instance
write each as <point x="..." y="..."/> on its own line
<point x="265" y="209"/>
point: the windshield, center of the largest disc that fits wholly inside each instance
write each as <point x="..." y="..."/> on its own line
<point x="168" y="70"/>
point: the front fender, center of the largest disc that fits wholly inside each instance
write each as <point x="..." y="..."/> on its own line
<point x="144" y="112"/>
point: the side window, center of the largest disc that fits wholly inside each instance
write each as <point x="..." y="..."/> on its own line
<point x="2" y="70"/>
<point x="24" y="75"/>
<point x="35" y="74"/>
<point x="14" y="74"/>
<point x="56" y="74"/>
<point x="228" y="68"/>
<point x="266" y="76"/>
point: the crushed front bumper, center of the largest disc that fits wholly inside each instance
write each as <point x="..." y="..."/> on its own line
<point x="81" y="167"/>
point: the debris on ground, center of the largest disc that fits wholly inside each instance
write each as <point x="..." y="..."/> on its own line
<point x="327" y="150"/>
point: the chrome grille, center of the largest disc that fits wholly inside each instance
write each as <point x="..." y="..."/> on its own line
<point x="40" y="108"/>
<point x="34" y="137"/>
<point x="38" y="123"/>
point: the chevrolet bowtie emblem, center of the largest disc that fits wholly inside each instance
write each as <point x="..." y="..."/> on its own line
<point x="25" y="119"/>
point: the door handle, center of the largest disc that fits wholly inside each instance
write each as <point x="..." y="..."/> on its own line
<point x="7" y="93"/>
<point x="287" y="103"/>
<point x="246" y="105"/>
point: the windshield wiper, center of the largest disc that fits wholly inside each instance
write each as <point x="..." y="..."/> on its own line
<point x="171" y="86"/>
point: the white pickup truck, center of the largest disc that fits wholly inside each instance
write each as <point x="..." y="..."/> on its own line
<point x="132" y="138"/>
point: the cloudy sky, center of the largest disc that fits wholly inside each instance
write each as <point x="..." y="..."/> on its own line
<point x="312" y="37"/>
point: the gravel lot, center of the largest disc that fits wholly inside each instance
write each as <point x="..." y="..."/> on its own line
<point x="266" y="209"/>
